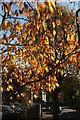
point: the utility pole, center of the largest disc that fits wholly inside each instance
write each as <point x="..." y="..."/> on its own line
<point x="78" y="22"/>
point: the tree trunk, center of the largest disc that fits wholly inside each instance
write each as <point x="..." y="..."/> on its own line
<point x="55" y="104"/>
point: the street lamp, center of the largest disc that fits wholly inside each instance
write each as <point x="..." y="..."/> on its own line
<point x="78" y="24"/>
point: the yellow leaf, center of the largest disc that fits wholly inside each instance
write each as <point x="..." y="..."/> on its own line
<point x="14" y="57"/>
<point x="43" y="5"/>
<point x="54" y="32"/>
<point x="24" y="35"/>
<point x="49" y="85"/>
<point x="23" y="94"/>
<point x="10" y="80"/>
<point x="59" y="12"/>
<point x="57" y="61"/>
<point x="68" y="37"/>
<point x="25" y="13"/>
<point x="9" y="88"/>
<point x="61" y="72"/>
<point x="53" y="85"/>
<point x="58" y="22"/>
<point x="37" y="8"/>
<point x="61" y="44"/>
<point x="9" y="24"/>
<point x="44" y="24"/>
<point x="54" y="78"/>
<point x="73" y="36"/>
<point x="11" y="98"/>
<point x="7" y="7"/>
<point x="49" y="89"/>
<point x="41" y="56"/>
<point x="57" y="85"/>
<point x="35" y="96"/>
<point x="70" y="58"/>
<point x="4" y="24"/>
<point x="20" y="4"/>
<point x="38" y="5"/>
<point x="47" y="70"/>
<point x="53" y="23"/>
<point x="50" y="6"/>
<point x="52" y="58"/>
<point x="20" y="39"/>
<point x="38" y="14"/>
<point x="53" y="4"/>
<point x="9" y="52"/>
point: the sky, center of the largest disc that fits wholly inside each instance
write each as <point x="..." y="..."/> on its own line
<point x="64" y="2"/>
<point x="36" y="0"/>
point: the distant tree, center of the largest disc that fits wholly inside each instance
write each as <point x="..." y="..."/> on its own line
<point x="71" y="85"/>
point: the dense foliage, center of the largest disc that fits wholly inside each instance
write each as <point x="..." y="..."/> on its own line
<point x="37" y="43"/>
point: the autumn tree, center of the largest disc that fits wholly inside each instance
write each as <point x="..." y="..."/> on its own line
<point x="37" y="43"/>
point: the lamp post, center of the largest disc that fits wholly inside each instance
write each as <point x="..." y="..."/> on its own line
<point x="78" y="30"/>
<point x="78" y="24"/>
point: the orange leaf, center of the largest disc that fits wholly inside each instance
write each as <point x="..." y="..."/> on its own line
<point x="58" y="22"/>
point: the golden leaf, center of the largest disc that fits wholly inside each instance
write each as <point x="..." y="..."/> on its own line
<point x="47" y="70"/>
<point x="11" y="98"/>
<point x="20" y="39"/>
<point x="50" y="6"/>
<point x="54" y="32"/>
<point x="57" y="61"/>
<point x="49" y="89"/>
<point x="70" y="58"/>
<point x="24" y="34"/>
<point x="41" y="56"/>
<point x="57" y="85"/>
<point x="38" y="5"/>
<point x="43" y="5"/>
<point x="23" y="94"/>
<point x="68" y="37"/>
<point x="53" y="23"/>
<point x="37" y="8"/>
<point x="7" y="7"/>
<point x="20" y="4"/>
<point x="52" y="57"/>
<point x="4" y="24"/>
<point x="53" y="85"/>
<point x="46" y="41"/>
<point x="61" y="71"/>
<point x="54" y="78"/>
<point x="9" y="24"/>
<point x="9" y="52"/>
<point x="18" y="26"/>
<point x="9" y="88"/>
<point x="59" y="12"/>
<point x="53" y="4"/>
<point x="73" y="36"/>
<point x="25" y="13"/>
<point x="58" y="22"/>
<point x="10" y="80"/>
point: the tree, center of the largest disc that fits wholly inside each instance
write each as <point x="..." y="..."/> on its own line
<point x="38" y="42"/>
<point x="70" y="86"/>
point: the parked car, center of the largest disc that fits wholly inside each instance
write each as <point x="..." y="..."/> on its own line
<point x="18" y="111"/>
<point x="8" y="113"/>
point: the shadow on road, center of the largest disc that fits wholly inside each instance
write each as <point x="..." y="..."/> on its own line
<point x="67" y="114"/>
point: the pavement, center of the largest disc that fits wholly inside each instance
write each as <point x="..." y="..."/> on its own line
<point x="67" y="114"/>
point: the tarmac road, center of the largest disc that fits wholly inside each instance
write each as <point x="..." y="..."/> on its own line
<point x="67" y="114"/>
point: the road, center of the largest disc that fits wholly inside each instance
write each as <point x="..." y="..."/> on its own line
<point x="67" y="114"/>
